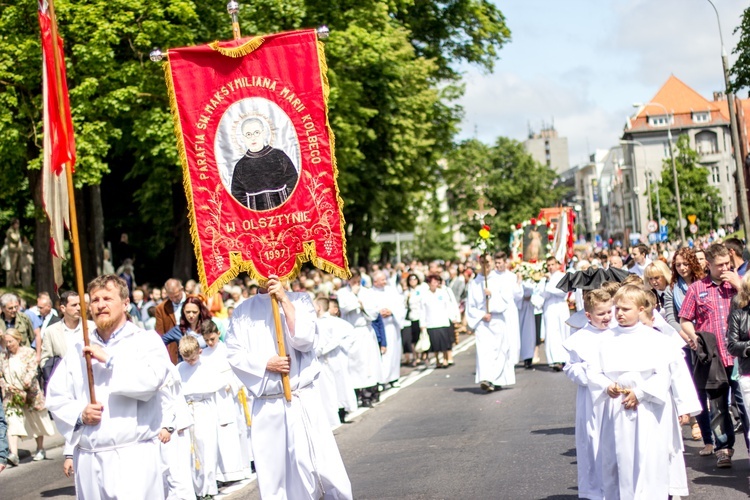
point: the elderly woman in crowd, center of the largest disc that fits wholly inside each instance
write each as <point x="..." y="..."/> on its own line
<point x="439" y="312"/>
<point x="687" y="268"/>
<point x="658" y="277"/>
<point x="23" y="400"/>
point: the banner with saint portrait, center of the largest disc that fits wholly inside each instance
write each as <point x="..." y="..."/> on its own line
<point x="258" y="156"/>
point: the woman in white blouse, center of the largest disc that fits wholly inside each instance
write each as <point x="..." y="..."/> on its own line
<point x="439" y="311"/>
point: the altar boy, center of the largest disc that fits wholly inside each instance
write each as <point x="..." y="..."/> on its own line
<point x="583" y="347"/>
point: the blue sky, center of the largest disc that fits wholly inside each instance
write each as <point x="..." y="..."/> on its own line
<point x="584" y="62"/>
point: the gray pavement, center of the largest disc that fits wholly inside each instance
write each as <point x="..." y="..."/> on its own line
<point x="440" y="436"/>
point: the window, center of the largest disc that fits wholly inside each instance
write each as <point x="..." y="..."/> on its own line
<point x="706" y="143"/>
<point x="701" y="117"/>
<point x="666" y="149"/>
<point x="660" y="120"/>
<point x="715" y="173"/>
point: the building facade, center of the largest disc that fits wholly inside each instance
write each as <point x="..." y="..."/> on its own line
<point x="681" y="110"/>
<point x="547" y="148"/>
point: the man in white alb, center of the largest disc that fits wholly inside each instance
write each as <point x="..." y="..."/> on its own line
<point x="295" y="453"/>
<point x="390" y="306"/>
<point x="115" y="438"/>
<point x="486" y="308"/>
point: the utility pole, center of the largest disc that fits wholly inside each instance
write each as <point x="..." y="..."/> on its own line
<point x="738" y="160"/>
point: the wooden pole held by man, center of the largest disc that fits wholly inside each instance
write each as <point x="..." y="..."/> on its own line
<point x="75" y="242"/>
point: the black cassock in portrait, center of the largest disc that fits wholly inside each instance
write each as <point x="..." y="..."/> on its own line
<point x="263" y="180"/>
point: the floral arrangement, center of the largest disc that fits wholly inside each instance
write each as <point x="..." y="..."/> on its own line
<point x="16" y="404"/>
<point x="485" y="243"/>
<point x="531" y="271"/>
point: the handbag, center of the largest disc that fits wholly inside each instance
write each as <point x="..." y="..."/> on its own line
<point x="423" y="344"/>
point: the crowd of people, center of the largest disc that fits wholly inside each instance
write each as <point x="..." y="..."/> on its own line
<point x="201" y="381"/>
<point x="667" y="347"/>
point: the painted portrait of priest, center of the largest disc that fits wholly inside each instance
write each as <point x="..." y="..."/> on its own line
<point x="264" y="177"/>
<point x="257" y="154"/>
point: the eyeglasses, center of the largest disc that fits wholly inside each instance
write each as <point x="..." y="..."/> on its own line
<point x="254" y="133"/>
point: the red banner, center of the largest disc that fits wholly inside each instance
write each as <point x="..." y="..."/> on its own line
<point x="258" y="156"/>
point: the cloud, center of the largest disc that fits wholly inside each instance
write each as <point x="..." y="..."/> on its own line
<point x="675" y="37"/>
<point x="519" y="103"/>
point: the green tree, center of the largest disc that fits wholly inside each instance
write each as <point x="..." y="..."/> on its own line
<point x="434" y="238"/>
<point x="696" y="194"/>
<point x="740" y="71"/>
<point x="510" y="180"/>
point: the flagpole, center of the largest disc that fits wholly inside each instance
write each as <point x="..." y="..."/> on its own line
<point x="74" y="240"/>
<point x="233" y="8"/>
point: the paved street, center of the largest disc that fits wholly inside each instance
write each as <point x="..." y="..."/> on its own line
<point x="440" y="436"/>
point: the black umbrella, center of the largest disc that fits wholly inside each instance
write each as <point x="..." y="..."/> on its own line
<point x="616" y="274"/>
<point x="589" y="279"/>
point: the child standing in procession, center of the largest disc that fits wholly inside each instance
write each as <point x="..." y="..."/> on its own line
<point x="583" y="347"/>
<point x="200" y="387"/>
<point x="632" y="451"/>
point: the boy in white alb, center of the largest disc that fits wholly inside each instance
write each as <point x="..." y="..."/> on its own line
<point x="234" y="444"/>
<point x="175" y="439"/>
<point x="200" y="385"/>
<point x="583" y="347"/>
<point x="335" y="335"/>
<point x="682" y="404"/>
<point x="633" y="452"/>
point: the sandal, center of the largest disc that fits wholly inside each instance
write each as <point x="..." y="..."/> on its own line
<point x="697" y="436"/>
<point x="707" y="451"/>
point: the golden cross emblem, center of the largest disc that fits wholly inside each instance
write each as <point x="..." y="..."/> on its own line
<point x="482" y="212"/>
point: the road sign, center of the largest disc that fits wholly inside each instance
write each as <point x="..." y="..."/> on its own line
<point x="692" y="218"/>
<point x="683" y="222"/>
<point x="663" y="222"/>
<point x="693" y="228"/>
<point x="394" y="237"/>
<point x="652" y="226"/>
<point x="663" y="233"/>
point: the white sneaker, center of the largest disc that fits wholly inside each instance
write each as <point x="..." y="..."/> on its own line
<point x="39" y="456"/>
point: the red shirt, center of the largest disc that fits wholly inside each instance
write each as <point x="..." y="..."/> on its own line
<point x="707" y="305"/>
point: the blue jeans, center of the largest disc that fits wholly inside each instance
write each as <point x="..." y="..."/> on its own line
<point x="3" y="437"/>
<point x="721" y="418"/>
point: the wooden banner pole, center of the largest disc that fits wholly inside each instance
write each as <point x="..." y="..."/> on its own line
<point x="75" y="242"/>
<point x="281" y="347"/>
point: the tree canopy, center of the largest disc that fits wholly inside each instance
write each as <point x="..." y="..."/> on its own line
<point x="508" y="178"/>
<point x="696" y="195"/>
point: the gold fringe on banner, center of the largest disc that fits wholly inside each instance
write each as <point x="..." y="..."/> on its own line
<point x="241" y="51"/>
<point x="320" y="263"/>
<point x="186" y="181"/>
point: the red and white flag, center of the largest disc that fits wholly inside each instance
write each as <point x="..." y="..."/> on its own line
<point x="59" y="143"/>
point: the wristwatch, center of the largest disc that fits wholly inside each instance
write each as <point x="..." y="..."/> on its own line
<point x="169" y="429"/>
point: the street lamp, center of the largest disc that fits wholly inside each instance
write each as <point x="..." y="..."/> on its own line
<point x="674" y="167"/>
<point x="744" y="211"/>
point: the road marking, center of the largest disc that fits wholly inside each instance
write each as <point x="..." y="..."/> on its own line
<point x="405" y="381"/>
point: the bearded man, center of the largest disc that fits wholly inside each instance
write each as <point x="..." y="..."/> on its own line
<point x="114" y="438"/>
